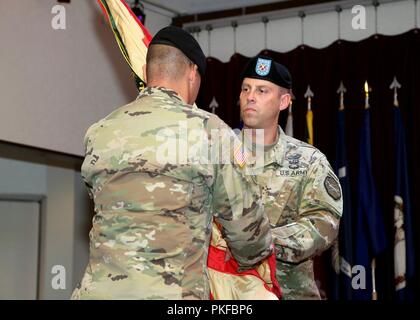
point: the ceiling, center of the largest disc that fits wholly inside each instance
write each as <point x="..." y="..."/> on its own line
<point x="188" y="7"/>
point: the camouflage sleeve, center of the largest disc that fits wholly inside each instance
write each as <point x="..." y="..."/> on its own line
<point x="238" y="208"/>
<point x="89" y="157"/>
<point x="319" y="214"/>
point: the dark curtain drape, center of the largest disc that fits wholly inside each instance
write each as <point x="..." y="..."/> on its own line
<point x="376" y="59"/>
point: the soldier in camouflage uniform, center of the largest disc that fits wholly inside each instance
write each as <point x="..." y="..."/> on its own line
<point x="151" y="230"/>
<point x="301" y="193"/>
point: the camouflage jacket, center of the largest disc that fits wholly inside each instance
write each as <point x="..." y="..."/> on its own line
<point x="303" y="201"/>
<point x="155" y="198"/>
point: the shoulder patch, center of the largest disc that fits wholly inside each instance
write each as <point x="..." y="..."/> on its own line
<point x="333" y="187"/>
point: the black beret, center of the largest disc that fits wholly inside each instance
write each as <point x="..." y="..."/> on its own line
<point x="184" y="41"/>
<point x="265" y="68"/>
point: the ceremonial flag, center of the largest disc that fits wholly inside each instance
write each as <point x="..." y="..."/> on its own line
<point x="309" y="126"/>
<point x="132" y="37"/>
<point x="319" y="260"/>
<point x="342" y="250"/>
<point x="226" y="283"/>
<point x="403" y="245"/>
<point x="370" y="233"/>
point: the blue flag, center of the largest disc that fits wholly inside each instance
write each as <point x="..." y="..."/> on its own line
<point x="342" y="251"/>
<point x="403" y="244"/>
<point x="370" y="238"/>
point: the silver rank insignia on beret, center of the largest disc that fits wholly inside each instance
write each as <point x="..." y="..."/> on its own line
<point x="263" y="67"/>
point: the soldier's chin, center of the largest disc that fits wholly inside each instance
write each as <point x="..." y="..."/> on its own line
<point x="250" y="122"/>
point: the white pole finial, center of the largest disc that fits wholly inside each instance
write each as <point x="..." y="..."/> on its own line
<point x="308" y="95"/>
<point x="395" y="85"/>
<point x="213" y="105"/>
<point x="341" y="90"/>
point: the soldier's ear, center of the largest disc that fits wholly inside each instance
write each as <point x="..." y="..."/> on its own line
<point x="193" y="74"/>
<point x="285" y="101"/>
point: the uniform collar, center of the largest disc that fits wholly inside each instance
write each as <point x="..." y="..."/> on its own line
<point x="273" y="153"/>
<point x="163" y="92"/>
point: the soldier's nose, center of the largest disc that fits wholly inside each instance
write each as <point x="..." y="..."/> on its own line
<point x="251" y="98"/>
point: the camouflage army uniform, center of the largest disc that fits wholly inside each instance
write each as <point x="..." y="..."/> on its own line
<point x="151" y="230"/>
<point x="303" y="201"/>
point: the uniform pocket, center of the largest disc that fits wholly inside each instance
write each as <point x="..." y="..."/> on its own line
<point x="275" y="210"/>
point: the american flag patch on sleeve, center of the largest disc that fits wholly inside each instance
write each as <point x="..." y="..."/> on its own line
<point x="241" y="155"/>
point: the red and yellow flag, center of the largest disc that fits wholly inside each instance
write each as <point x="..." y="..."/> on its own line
<point x="226" y="283"/>
<point x="132" y="36"/>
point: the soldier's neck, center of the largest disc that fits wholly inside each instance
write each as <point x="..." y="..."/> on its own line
<point x="271" y="135"/>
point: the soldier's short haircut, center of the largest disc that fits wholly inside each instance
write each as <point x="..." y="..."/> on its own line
<point x="166" y="62"/>
<point x="283" y="91"/>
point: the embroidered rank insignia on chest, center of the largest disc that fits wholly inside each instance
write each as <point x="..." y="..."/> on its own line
<point x="263" y="67"/>
<point x="294" y="161"/>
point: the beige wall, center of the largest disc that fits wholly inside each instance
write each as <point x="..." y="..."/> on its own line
<point x="65" y="217"/>
<point x="55" y="83"/>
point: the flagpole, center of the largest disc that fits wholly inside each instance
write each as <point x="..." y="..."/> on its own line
<point x="374" y="293"/>
<point x="309" y="115"/>
<point x="335" y="249"/>
<point x="373" y="263"/>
